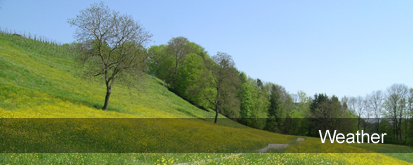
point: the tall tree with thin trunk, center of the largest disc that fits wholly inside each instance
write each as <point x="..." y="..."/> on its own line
<point x="113" y="44"/>
<point x="359" y="109"/>
<point x="410" y="117"/>
<point x="395" y="106"/>
<point x="224" y="77"/>
<point x="375" y="100"/>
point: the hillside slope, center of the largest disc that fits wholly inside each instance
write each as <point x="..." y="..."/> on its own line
<point x="41" y="84"/>
<point x="38" y="84"/>
<point x="40" y="80"/>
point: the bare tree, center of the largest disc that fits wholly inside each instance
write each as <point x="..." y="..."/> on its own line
<point x="395" y="106"/>
<point x="375" y="100"/>
<point x="409" y="115"/>
<point x="357" y="106"/>
<point x="367" y="111"/>
<point x="113" y="43"/>
<point x="351" y="103"/>
<point x="359" y="109"/>
<point x="410" y="103"/>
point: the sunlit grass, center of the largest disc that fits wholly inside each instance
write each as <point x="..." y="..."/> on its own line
<point x="34" y="80"/>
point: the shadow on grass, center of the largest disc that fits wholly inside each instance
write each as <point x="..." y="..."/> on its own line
<point x="186" y="112"/>
<point x="93" y="104"/>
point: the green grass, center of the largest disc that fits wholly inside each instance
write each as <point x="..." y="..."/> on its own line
<point x="55" y="79"/>
<point x="39" y="80"/>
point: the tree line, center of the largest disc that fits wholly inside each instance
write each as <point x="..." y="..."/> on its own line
<point x="389" y="111"/>
<point x="215" y="83"/>
<point x="112" y="46"/>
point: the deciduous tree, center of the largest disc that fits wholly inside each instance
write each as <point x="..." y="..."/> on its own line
<point x="395" y="104"/>
<point x="245" y="99"/>
<point x="225" y="81"/>
<point x="114" y="43"/>
<point x="375" y="100"/>
<point x="178" y="48"/>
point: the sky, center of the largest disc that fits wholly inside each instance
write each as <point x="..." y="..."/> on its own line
<point x="342" y="48"/>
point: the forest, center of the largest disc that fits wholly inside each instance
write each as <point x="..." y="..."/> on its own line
<point x="213" y="82"/>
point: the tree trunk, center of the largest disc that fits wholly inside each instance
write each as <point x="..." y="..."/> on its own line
<point x="108" y="91"/>
<point x="405" y="129"/>
<point x="378" y="125"/>
<point x="400" y="127"/>
<point x="216" y="113"/>
<point x="216" y="105"/>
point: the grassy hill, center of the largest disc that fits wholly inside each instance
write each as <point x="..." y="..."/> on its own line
<point x="48" y="85"/>
<point x="40" y="80"/>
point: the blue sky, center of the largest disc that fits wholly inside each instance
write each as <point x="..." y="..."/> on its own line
<point x="345" y="48"/>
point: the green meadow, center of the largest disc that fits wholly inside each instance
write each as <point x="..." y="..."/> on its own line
<point x="41" y="80"/>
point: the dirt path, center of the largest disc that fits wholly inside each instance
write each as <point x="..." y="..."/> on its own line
<point x="272" y="146"/>
<point x="276" y="146"/>
<point x="263" y="150"/>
